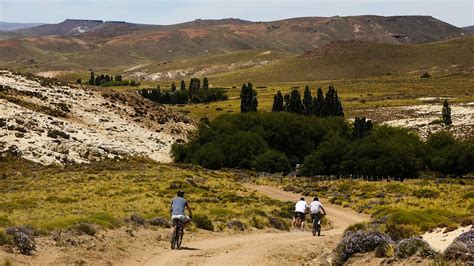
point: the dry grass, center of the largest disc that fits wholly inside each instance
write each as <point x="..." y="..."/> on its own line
<point x="103" y="193"/>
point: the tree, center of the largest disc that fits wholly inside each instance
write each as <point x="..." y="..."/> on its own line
<point x="362" y="127"/>
<point x="307" y="101"/>
<point x="318" y="102"/>
<point x="183" y="85"/>
<point x="92" y="79"/>
<point x="446" y="113"/>
<point x="278" y="105"/>
<point x="327" y="158"/>
<point x="332" y="105"/>
<point x="205" y="84"/>
<point x="272" y="161"/>
<point x="248" y="99"/>
<point x="173" y="87"/>
<point x="295" y="105"/>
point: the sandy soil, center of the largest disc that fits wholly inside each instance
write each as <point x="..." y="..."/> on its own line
<point x="439" y="240"/>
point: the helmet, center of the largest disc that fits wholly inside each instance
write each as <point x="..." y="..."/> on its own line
<point x="316" y="198"/>
<point x="302" y="198"/>
<point x="181" y="193"/>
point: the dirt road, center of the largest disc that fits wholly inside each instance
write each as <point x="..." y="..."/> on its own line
<point x="264" y="248"/>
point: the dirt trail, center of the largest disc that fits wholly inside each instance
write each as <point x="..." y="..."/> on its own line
<point x="264" y="248"/>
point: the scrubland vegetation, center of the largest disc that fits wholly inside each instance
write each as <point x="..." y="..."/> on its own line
<point x="400" y="211"/>
<point x="109" y="193"/>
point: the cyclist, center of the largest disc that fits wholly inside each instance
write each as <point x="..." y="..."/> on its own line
<point x="315" y="209"/>
<point x="178" y="204"/>
<point x="300" y="211"/>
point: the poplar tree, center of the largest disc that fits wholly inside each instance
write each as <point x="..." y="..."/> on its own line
<point x="446" y="113"/>
<point x="278" y="105"/>
<point x="307" y="101"/>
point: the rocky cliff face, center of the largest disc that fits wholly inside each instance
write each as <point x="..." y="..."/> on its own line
<point x="52" y="123"/>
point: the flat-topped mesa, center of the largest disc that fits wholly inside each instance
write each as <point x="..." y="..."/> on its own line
<point x="84" y="20"/>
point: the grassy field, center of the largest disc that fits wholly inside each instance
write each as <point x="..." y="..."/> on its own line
<point x="410" y="207"/>
<point x="104" y="193"/>
<point x="356" y="94"/>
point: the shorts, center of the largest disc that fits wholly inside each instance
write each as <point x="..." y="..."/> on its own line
<point x="182" y="217"/>
<point x="300" y="215"/>
<point x="316" y="216"/>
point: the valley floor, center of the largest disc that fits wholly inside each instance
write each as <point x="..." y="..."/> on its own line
<point x="149" y="247"/>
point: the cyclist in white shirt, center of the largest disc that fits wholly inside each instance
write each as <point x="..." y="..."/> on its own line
<point x="300" y="211"/>
<point x="315" y="208"/>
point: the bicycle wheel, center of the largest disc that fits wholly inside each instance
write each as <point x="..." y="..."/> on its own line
<point x="319" y="229"/>
<point x="314" y="227"/>
<point x="174" y="240"/>
<point x="180" y="234"/>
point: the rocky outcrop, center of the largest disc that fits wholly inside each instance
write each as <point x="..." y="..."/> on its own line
<point x="93" y="124"/>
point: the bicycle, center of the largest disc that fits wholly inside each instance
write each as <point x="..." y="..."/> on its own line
<point x="178" y="235"/>
<point x="317" y="224"/>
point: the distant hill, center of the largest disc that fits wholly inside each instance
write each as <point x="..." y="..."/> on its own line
<point x="469" y="28"/>
<point x="355" y="59"/>
<point x="66" y="28"/>
<point x="7" y="26"/>
<point x="79" y="44"/>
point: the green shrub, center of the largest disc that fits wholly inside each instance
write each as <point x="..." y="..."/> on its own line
<point x="469" y="195"/>
<point x="385" y="250"/>
<point x="278" y="223"/>
<point x="356" y="227"/>
<point x="220" y="212"/>
<point x="414" y="246"/>
<point x="4" y="238"/>
<point x="203" y="222"/>
<point x="272" y="161"/>
<point x="5" y="222"/>
<point x="425" y="193"/>
<point x="259" y="222"/>
<point x="400" y="231"/>
<point x="85" y="228"/>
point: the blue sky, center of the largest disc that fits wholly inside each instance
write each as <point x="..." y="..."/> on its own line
<point x="456" y="12"/>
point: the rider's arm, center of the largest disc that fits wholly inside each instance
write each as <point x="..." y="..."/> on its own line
<point x="189" y="210"/>
<point x="324" y="211"/>
<point x="171" y="208"/>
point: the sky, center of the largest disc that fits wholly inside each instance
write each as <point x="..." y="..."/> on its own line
<point x="456" y="12"/>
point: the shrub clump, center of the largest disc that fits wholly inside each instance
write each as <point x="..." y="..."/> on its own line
<point x="137" y="219"/>
<point x="401" y="231"/>
<point x="236" y="225"/>
<point x="414" y="246"/>
<point x="278" y="223"/>
<point x="86" y="228"/>
<point x="203" y="222"/>
<point x="359" y="242"/>
<point x="23" y="239"/>
<point x="425" y="193"/>
<point x="462" y="248"/>
<point x="159" y="221"/>
<point x="4" y="238"/>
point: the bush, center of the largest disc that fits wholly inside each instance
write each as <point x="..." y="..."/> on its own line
<point x="359" y="242"/>
<point x="425" y="193"/>
<point x="258" y="222"/>
<point x="23" y="239"/>
<point x="160" y="221"/>
<point x="414" y="246"/>
<point x="203" y="222"/>
<point x="400" y="231"/>
<point x="137" y="219"/>
<point x="236" y="224"/>
<point x="85" y="228"/>
<point x="24" y="243"/>
<point x="278" y="223"/>
<point x="425" y="76"/>
<point x="272" y="161"/>
<point x="4" y="238"/>
<point x="462" y="248"/>
<point x="384" y="251"/>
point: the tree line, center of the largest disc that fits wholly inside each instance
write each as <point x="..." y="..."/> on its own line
<point x="277" y="141"/>
<point x="197" y="92"/>
<point x="109" y="80"/>
<point x="320" y="105"/>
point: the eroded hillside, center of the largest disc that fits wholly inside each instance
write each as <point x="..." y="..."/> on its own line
<point x="48" y="122"/>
